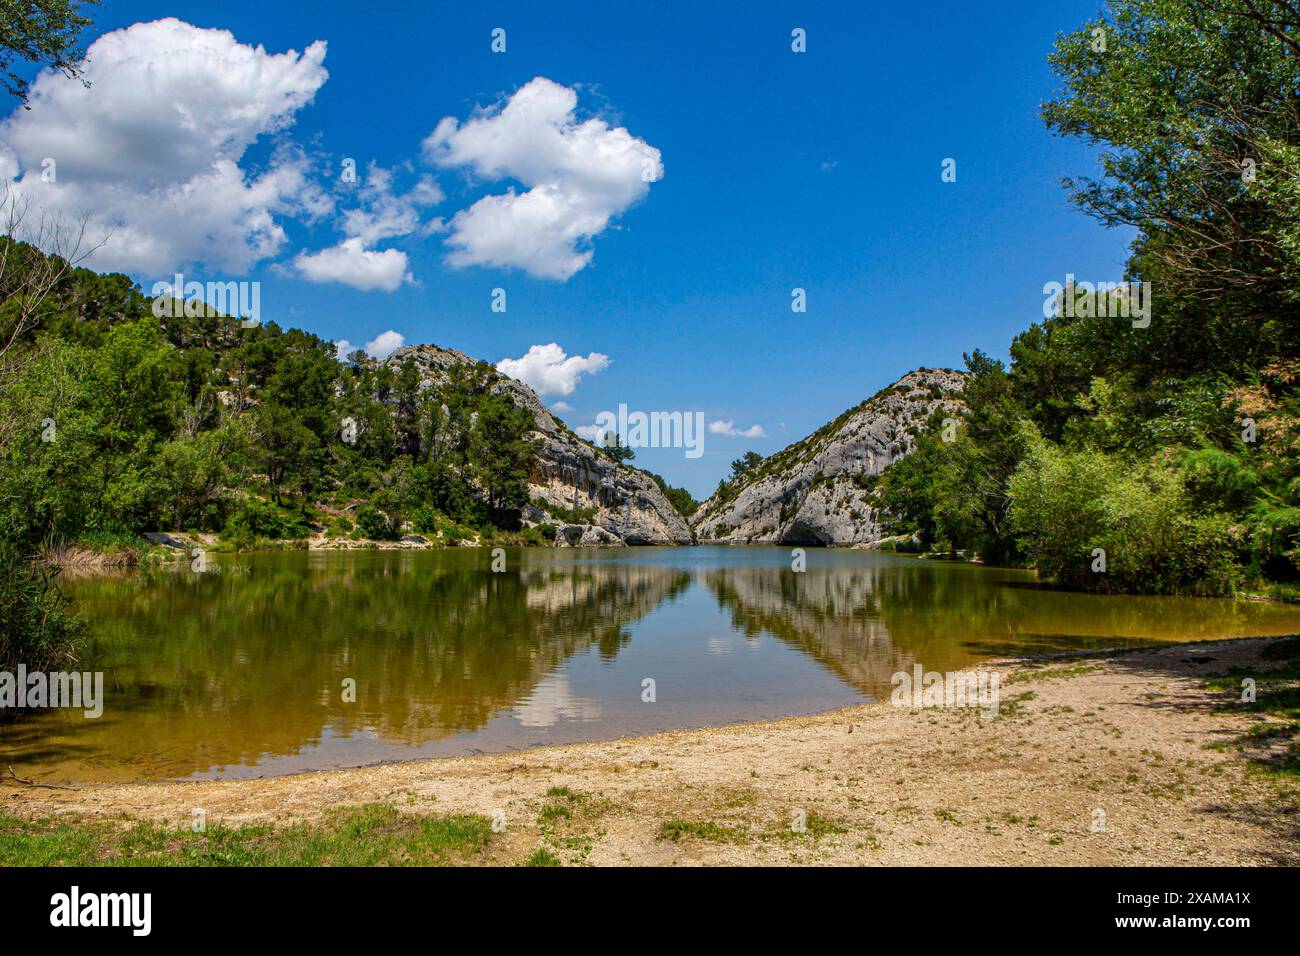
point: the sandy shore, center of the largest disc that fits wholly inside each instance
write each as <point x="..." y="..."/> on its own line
<point x="1124" y="759"/>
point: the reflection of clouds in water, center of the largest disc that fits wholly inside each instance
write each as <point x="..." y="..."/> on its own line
<point x="722" y="646"/>
<point x="552" y="701"/>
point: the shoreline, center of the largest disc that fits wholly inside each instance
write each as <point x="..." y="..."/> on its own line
<point x="91" y="562"/>
<point x="1106" y="758"/>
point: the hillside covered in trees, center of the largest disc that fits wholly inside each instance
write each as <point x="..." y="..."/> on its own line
<point x="116" y="421"/>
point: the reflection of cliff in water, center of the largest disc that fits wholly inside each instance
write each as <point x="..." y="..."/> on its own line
<point x="867" y="621"/>
<point x="219" y="669"/>
<point x="831" y="614"/>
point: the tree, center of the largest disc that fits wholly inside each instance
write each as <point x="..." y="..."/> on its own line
<point x="35" y="260"/>
<point x="44" y="32"/>
<point x="614" y="447"/>
<point x="1193" y="103"/>
<point x="745" y="464"/>
<point x="500" y="454"/>
<point x="681" y="499"/>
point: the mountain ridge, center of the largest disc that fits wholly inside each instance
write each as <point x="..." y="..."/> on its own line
<point x="818" y="490"/>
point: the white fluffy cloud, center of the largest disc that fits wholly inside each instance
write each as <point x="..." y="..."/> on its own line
<point x="380" y="347"/>
<point x="729" y="429"/>
<point x="593" y="433"/>
<point x="562" y="407"/>
<point x="150" y="152"/>
<point x="579" y="176"/>
<point x="547" y="370"/>
<point x="351" y="263"/>
<point x="385" y="344"/>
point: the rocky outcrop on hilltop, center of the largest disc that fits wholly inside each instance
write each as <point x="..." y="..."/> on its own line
<point x="618" y="504"/>
<point x="819" y="490"/>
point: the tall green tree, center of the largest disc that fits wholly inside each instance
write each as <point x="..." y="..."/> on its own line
<point x="500" y="452"/>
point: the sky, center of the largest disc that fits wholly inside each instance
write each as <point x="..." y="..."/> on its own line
<point x="641" y="186"/>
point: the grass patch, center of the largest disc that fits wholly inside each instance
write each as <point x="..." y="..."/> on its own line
<point x="569" y="823"/>
<point x="375" y="834"/>
<point x="676" y="830"/>
<point x="543" y="857"/>
<point x="1052" y="673"/>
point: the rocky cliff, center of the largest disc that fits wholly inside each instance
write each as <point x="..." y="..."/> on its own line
<point x="819" y="490"/>
<point x="618" y="504"/>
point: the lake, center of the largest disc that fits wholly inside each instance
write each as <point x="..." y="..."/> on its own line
<point x="241" y="671"/>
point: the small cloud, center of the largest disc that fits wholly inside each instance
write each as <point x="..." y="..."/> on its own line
<point x="342" y="349"/>
<point x="384" y="213"/>
<point x="562" y="407"/>
<point x="351" y="263"/>
<point x="829" y="164"/>
<point x="547" y="370"/>
<point x="729" y="429"/>
<point x="385" y="344"/>
<point x="593" y="433"/>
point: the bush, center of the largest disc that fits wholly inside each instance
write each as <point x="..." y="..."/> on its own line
<point x="36" y="628"/>
<point x="1066" y="505"/>
<point x="374" y="524"/>
<point x="424" y="519"/>
<point x="256" y="518"/>
<point x="453" y="532"/>
<point x="533" y="536"/>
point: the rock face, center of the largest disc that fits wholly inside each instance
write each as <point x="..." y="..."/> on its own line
<point x="819" y="490"/>
<point x="620" y="505"/>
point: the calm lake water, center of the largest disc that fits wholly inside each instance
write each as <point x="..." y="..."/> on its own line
<point x="239" y="672"/>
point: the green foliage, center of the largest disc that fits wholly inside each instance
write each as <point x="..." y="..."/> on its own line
<point x="196" y="423"/>
<point x="1076" y="509"/>
<point x="615" y="449"/>
<point x="1185" y="93"/>
<point x="567" y="515"/>
<point x="681" y="499"/>
<point x="376" y="834"/>
<point x="374" y="524"/>
<point x="500" y="455"/>
<point x="43" y="32"/>
<point x="256" y="518"/>
<point x="745" y="464"/>
<point x="36" y="627"/>
<point x="952" y="489"/>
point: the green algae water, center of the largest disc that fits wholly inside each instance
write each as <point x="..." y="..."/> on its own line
<point x="244" y="671"/>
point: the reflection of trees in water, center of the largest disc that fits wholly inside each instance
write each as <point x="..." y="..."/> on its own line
<point x="867" y="621"/>
<point x="215" y="669"/>
<point x="219" y="669"/>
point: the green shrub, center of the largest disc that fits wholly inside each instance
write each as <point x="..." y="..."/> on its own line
<point x="1065" y="505"/>
<point x="424" y="519"/>
<point x="374" y="524"/>
<point x="256" y="518"/>
<point x="36" y="627"/>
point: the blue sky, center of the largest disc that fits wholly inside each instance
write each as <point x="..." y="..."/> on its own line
<point x="818" y="170"/>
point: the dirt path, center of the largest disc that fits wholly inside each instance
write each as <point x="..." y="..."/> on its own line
<point x="1117" y="760"/>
